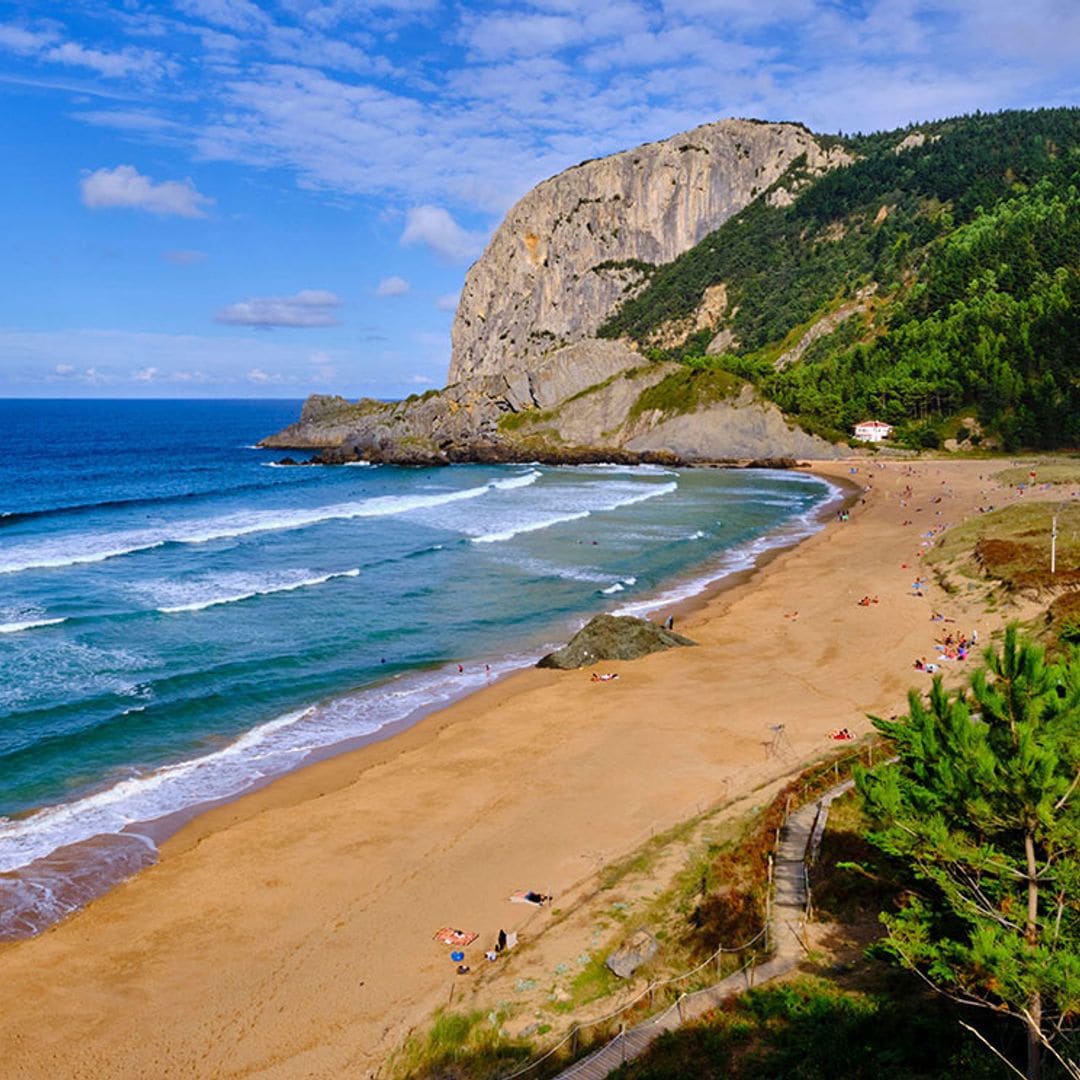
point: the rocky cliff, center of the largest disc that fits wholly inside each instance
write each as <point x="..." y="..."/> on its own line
<point x="572" y="247"/>
<point x="528" y="378"/>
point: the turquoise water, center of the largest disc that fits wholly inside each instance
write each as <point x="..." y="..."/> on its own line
<point x="181" y="619"/>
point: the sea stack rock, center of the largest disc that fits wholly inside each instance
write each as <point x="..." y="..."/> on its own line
<point x="612" y="637"/>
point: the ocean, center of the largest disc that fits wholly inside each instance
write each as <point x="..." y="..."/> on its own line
<point x="181" y="619"/>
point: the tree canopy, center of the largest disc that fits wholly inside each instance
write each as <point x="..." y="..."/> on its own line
<point x="970" y="244"/>
<point x="982" y="806"/>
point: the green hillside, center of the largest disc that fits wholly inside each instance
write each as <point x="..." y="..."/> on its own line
<point x="950" y="270"/>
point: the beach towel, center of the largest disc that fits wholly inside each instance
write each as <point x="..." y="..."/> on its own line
<point x="449" y="936"/>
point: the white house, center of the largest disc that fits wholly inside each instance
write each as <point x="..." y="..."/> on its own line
<point x="872" y="430"/>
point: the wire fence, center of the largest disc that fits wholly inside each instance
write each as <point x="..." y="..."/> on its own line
<point x="573" y="1037"/>
<point x="821" y="781"/>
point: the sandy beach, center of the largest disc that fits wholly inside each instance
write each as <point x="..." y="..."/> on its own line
<point x="289" y="934"/>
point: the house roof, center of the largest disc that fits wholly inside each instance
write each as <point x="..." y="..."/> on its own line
<point x="874" y="424"/>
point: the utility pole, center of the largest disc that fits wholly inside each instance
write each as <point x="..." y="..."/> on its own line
<point x="1053" y="546"/>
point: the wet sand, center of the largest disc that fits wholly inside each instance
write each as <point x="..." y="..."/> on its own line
<point x="290" y="933"/>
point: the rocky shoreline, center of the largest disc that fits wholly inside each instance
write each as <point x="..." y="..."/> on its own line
<point x="495" y="454"/>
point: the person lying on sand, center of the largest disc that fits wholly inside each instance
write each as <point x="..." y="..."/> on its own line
<point x="606" y="677"/>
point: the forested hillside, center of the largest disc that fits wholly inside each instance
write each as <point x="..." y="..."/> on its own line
<point x="947" y="260"/>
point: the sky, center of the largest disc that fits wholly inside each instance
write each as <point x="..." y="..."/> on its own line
<point x="223" y="198"/>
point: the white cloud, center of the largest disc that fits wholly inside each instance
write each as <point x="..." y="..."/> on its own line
<point x="46" y="45"/>
<point x="146" y="374"/>
<point x="419" y="380"/>
<point x="449" y="302"/>
<point x="126" y="187"/>
<point x="309" y="307"/>
<point x="436" y="229"/>
<point x="37" y="363"/>
<point x="69" y="373"/>
<point x="540" y="84"/>
<point x="257" y="375"/>
<point x="114" y="65"/>
<point x="18" y="39"/>
<point x="128" y="120"/>
<point x="238" y="15"/>
<point x="392" y="286"/>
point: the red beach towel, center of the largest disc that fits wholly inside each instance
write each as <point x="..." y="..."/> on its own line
<point x="449" y="936"/>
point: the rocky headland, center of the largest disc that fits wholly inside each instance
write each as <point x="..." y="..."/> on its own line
<point x="529" y="379"/>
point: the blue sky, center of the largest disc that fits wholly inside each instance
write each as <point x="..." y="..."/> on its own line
<point x="218" y="198"/>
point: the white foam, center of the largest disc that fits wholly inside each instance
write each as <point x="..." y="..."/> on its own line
<point x="269" y="590"/>
<point x="742" y="557"/>
<point x="265" y="751"/>
<point x="512" y="482"/>
<point x="610" y="467"/>
<point x="617" y="587"/>
<point x="609" y="497"/>
<point x="532" y="526"/>
<point x="33" y="624"/>
<point x="232" y="526"/>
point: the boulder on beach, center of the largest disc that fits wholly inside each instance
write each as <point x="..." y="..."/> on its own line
<point x="612" y="637"/>
<point x="626" y="959"/>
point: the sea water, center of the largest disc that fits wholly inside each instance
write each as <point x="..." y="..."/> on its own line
<point x="182" y="619"/>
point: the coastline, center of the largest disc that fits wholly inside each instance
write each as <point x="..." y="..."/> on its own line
<point x="369" y="751"/>
<point x="77" y="874"/>
<point x="319" y="893"/>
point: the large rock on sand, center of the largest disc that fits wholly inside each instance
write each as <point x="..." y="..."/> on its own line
<point x="626" y="959"/>
<point x="612" y="637"/>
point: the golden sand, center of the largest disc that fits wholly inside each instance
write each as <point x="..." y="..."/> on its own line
<point x="289" y="933"/>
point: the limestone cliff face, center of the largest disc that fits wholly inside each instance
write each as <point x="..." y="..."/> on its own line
<point x="529" y="379"/>
<point x="541" y="283"/>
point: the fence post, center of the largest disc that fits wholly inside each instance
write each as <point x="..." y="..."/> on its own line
<point x="573" y="1041"/>
<point x="622" y="1035"/>
<point x="768" y="904"/>
<point x="678" y="1006"/>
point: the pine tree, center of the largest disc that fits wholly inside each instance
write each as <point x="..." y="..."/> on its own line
<point x="982" y="805"/>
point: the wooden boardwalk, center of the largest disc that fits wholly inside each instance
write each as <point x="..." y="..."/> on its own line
<point x="798" y="845"/>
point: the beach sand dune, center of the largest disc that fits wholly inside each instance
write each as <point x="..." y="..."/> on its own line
<point x="290" y="933"/>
